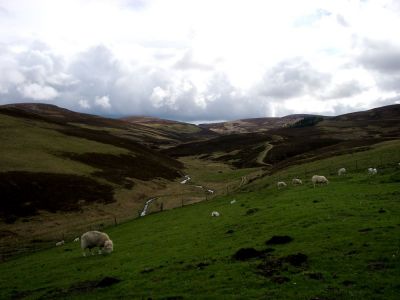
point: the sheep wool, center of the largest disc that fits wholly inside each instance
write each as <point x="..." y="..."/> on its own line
<point x="92" y="239"/>
<point x="281" y="184"/>
<point x="318" y="179"/>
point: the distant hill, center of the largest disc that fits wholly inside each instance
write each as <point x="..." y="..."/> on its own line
<point x="253" y="125"/>
<point x="130" y="128"/>
<point x="279" y="142"/>
<point x="178" y="130"/>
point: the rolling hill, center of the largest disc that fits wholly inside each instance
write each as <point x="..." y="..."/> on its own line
<point x="70" y="171"/>
<point x="330" y="242"/>
<point x="65" y="169"/>
<point x="254" y="124"/>
<point x="308" y="138"/>
<point x="129" y="128"/>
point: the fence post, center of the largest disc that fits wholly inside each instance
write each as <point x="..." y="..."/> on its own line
<point x="162" y="206"/>
<point x="115" y="221"/>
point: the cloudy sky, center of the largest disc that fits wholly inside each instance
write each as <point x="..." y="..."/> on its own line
<point x="201" y="60"/>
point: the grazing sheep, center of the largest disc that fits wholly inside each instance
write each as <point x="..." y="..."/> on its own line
<point x="210" y="191"/>
<point x="215" y="214"/>
<point x="60" y="243"/>
<point x="233" y="201"/>
<point x="318" y="179"/>
<point x="281" y="184"/>
<point x="76" y="239"/>
<point x="372" y="171"/>
<point x="92" y="239"/>
<point x="296" y="181"/>
<point x="342" y="171"/>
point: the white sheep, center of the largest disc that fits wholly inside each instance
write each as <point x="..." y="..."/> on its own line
<point x="215" y="214"/>
<point x="76" y="239"/>
<point x="92" y="239"/>
<point x="296" y="181"/>
<point x="318" y="179"/>
<point x="60" y="243"/>
<point x="281" y="184"/>
<point x="372" y="171"/>
<point x="342" y="171"/>
<point x="233" y="201"/>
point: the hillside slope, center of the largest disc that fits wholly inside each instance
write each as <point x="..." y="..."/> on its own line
<point x="51" y="169"/>
<point x="336" y="242"/>
<point x="309" y="138"/>
<point x="153" y="136"/>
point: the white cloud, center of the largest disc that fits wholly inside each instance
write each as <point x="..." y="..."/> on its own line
<point x="103" y="102"/>
<point x="84" y="103"/>
<point x="38" y="92"/>
<point x="193" y="60"/>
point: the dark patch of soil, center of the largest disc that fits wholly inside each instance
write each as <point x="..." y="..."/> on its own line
<point x="230" y="231"/>
<point x="247" y="253"/>
<point x="296" y="260"/>
<point x="365" y="230"/>
<point x="24" y="193"/>
<point x="252" y="211"/>
<point x="107" y="281"/>
<point x="381" y="211"/>
<point x="270" y="266"/>
<point x="279" y="239"/>
<point x="348" y="283"/>
<point x="202" y="265"/>
<point x="81" y="287"/>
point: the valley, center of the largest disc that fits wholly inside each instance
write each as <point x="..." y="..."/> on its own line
<point x="152" y="184"/>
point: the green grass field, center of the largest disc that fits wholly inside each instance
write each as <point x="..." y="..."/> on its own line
<point x="348" y="233"/>
<point x="45" y="145"/>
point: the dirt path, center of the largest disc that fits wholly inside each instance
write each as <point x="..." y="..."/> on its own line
<point x="263" y="154"/>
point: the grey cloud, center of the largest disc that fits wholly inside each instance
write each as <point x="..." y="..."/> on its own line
<point x="346" y="89"/>
<point x="292" y="78"/>
<point x="34" y="74"/>
<point x="383" y="59"/>
<point x="342" y="21"/>
<point x="380" y="56"/>
<point x="187" y="63"/>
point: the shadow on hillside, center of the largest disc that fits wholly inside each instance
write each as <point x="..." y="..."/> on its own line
<point x="24" y="193"/>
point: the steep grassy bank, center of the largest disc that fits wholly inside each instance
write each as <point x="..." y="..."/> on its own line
<point x="344" y="246"/>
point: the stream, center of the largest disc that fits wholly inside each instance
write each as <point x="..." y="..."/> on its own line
<point x="146" y="206"/>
